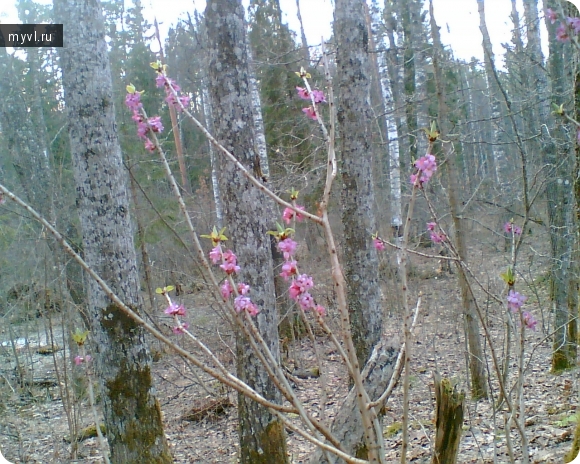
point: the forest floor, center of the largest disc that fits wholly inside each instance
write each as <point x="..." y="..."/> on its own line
<point x="32" y="426"/>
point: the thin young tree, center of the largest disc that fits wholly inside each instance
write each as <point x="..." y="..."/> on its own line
<point x="132" y="413"/>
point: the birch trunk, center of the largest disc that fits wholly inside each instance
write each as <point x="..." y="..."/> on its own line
<point x="132" y="413"/>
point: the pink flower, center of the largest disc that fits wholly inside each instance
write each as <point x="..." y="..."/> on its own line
<point x="515" y="300"/>
<point x="529" y="320"/>
<point x="243" y="289"/>
<point x="142" y="130"/>
<point x="551" y="15"/>
<point x="230" y="268"/>
<point x="426" y="163"/>
<point x="252" y="309"/>
<point x="310" y="112"/>
<point x="431" y="225"/>
<point x="289" y="213"/>
<point x="78" y="360"/>
<point x="180" y="329"/>
<point x="574" y="24"/>
<point x="427" y="166"/>
<point x="378" y="244"/>
<point x="175" y="310"/>
<point x="320" y="310"/>
<point x="304" y="281"/>
<point x="230" y="257"/>
<point x="288" y="247"/>
<point x="155" y="123"/>
<point x="437" y="237"/>
<point x="508" y="227"/>
<point x="289" y="269"/>
<point x="160" y="80"/>
<point x="133" y="101"/>
<point x="303" y="93"/>
<point x="149" y="145"/>
<point x="318" y="96"/>
<point x="184" y="100"/>
<point x="294" y="291"/>
<point x="226" y="290"/>
<point x="562" y="34"/>
<point x="242" y="303"/>
<point x="215" y="254"/>
<point x="306" y="301"/>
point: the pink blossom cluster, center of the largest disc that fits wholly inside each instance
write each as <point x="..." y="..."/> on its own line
<point x="515" y="300"/>
<point x="80" y="359"/>
<point x="242" y="301"/>
<point x="529" y="320"/>
<point x="300" y="283"/>
<point x="290" y="214"/>
<point x="144" y="125"/>
<point x="426" y="167"/>
<point x="378" y="244"/>
<point x="168" y="83"/>
<point x="316" y="95"/>
<point x="510" y="228"/>
<point x="436" y="237"/>
<point x="562" y="32"/>
<point x="174" y="309"/>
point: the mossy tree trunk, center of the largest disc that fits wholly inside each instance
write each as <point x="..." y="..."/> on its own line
<point x="448" y="423"/>
<point x="248" y="215"/>
<point x="132" y="413"/>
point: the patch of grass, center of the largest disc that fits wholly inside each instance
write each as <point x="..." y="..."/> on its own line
<point x="393" y="429"/>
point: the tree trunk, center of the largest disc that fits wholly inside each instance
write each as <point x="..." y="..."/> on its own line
<point x="347" y="425"/>
<point x="353" y="84"/>
<point x="132" y="413"/>
<point x="448" y="423"/>
<point x="559" y="156"/>
<point x="247" y="215"/>
<point x="499" y="160"/>
<point x="471" y="321"/>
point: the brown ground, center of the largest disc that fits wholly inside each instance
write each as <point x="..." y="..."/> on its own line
<point x="32" y="427"/>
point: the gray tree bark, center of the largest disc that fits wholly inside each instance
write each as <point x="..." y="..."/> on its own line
<point x="476" y="358"/>
<point x="559" y="155"/>
<point x="353" y="85"/>
<point x="347" y="425"/>
<point x="262" y="436"/>
<point x="132" y="413"/>
<point x="499" y="156"/>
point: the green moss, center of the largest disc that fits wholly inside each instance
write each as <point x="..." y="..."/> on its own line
<point x="273" y="441"/>
<point x="138" y="419"/>
<point x="116" y="322"/>
<point x="393" y="429"/>
<point x="571" y="455"/>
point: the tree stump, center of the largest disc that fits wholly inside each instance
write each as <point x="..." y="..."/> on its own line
<point x="449" y="421"/>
